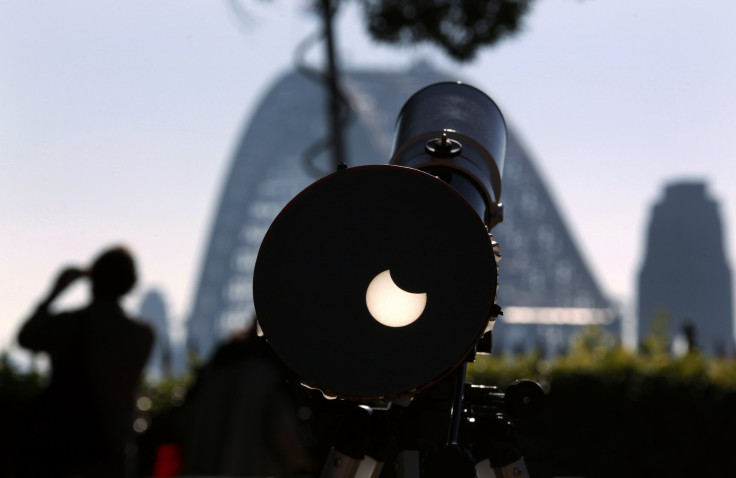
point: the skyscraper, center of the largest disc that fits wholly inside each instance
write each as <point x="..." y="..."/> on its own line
<point x="546" y="288"/>
<point x="153" y="310"/>
<point x="685" y="274"/>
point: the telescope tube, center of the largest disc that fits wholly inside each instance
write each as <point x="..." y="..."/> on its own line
<point x="457" y="133"/>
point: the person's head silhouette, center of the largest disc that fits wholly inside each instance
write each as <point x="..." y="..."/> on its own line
<point x="113" y="274"/>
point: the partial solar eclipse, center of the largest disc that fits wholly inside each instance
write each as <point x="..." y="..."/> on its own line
<point x="390" y="305"/>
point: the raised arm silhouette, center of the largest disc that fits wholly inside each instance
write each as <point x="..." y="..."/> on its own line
<point x="81" y="423"/>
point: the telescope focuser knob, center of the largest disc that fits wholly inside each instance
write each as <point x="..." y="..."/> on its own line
<point x="524" y="399"/>
<point x="444" y="146"/>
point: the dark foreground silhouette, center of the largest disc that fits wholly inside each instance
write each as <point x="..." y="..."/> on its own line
<point x="81" y="424"/>
<point x="240" y="418"/>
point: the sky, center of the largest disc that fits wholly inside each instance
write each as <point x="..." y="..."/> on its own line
<point x="119" y="119"/>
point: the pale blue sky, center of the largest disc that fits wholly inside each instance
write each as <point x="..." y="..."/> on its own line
<point x="118" y="120"/>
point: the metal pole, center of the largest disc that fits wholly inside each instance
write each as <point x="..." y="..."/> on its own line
<point x="457" y="405"/>
<point x="335" y="126"/>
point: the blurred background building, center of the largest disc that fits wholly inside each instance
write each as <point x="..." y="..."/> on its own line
<point x="546" y="289"/>
<point x="685" y="277"/>
<point x="152" y="309"/>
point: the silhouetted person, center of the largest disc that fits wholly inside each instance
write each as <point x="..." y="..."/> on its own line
<point x="82" y="422"/>
<point x="240" y="418"/>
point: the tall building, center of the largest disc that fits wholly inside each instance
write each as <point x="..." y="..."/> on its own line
<point x="546" y="289"/>
<point x="685" y="275"/>
<point x="152" y="309"/>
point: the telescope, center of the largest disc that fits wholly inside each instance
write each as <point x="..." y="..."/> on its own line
<point x="378" y="283"/>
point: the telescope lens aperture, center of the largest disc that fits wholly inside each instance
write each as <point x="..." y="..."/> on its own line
<point x="375" y="282"/>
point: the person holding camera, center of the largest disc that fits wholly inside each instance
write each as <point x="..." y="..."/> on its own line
<point x="81" y="424"/>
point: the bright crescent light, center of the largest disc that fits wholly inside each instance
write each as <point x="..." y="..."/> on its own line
<point x="391" y="305"/>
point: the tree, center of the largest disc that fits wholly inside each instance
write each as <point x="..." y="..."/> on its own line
<point x="459" y="27"/>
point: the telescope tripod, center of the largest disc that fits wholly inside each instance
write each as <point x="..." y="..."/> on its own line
<point x="452" y="429"/>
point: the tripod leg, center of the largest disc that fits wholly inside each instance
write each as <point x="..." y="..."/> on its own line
<point x="483" y="469"/>
<point x="369" y="468"/>
<point x="516" y="469"/>
<point x="340" y="465"/>
<point x="408" y="463"/>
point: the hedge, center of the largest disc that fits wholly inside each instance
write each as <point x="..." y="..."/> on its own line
<point x="609" y="412"/>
